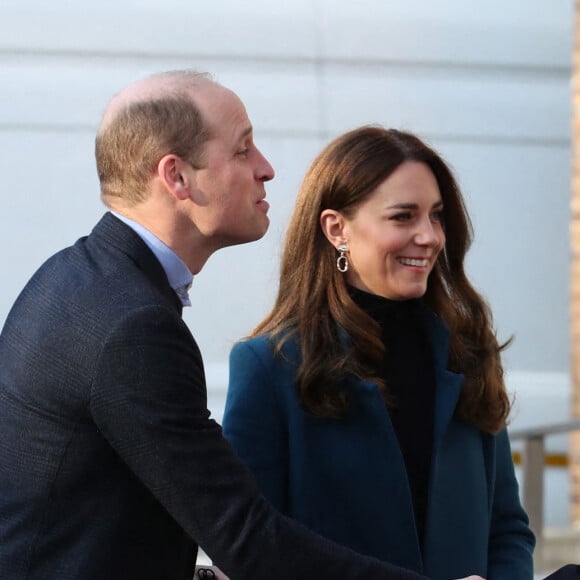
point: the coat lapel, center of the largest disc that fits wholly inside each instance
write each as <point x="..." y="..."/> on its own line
<point x="447" y="384"/>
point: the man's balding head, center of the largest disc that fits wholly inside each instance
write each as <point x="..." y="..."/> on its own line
<point x="148" y="119"/>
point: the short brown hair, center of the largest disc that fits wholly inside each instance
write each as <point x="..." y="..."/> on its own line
<point x="129" y="146"/>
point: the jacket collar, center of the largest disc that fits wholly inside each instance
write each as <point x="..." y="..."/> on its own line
<point x="114" y="232"/>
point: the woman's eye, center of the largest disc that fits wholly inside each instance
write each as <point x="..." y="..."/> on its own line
<point x="244" y="152"/>
<point x="401" y="217"/>
<point x="438" y="215"/>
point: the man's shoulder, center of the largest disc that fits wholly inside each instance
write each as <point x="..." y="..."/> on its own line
<point x="94" y="280"/>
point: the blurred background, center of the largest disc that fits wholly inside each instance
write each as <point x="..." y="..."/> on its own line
<point x="488" y="84"/>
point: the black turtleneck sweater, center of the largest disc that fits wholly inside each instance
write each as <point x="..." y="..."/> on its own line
<point x="408" y="373"/>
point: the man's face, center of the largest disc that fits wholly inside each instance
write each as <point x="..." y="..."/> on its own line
<point x="229" y="189"/>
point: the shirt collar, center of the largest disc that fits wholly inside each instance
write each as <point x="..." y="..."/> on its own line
<point x="179" y="276"/>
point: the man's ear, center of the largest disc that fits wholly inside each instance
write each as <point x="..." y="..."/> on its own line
<point x="172" y="170"/>
<point x="333" y="225"/>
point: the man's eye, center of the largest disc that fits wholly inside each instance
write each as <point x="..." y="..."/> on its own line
<point x="244" y="152"/>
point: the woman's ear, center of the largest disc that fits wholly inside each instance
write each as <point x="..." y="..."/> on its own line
<point x="172" y="171"/>
<point x="333" y="224"/>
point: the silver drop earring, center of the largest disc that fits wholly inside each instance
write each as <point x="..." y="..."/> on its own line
<point x="342" y="260"/>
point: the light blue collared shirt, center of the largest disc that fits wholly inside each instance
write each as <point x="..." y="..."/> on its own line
<point x="178" y="274"/>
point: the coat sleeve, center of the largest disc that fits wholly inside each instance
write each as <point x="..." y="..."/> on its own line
<point x="148" y="399"/>
<point x="255" y="424"/>
<point x="511" y="541"/>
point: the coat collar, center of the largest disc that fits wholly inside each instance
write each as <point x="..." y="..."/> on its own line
<point x="447" y="384"/>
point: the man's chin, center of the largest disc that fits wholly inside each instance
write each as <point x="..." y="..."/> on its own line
<point x="246" y="239"/>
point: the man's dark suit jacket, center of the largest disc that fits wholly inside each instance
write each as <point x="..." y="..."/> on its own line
<point x="110" y="467"/>
<point x="568" y="572"/>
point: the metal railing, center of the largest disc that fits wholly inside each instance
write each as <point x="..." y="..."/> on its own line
<point x="533" y="471"/>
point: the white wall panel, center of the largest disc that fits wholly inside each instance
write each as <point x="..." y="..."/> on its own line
<point x="518" y="32"/>
<point x="449" y="103"/>
<point x="153" y="28"/>
<point x="290" y="99"/>
<point x="495" y="32"/>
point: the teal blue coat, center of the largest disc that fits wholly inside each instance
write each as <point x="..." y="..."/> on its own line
<point x="346" y="479"/>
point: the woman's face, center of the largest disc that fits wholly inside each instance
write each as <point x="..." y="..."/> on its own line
<point x="396" y="234"/>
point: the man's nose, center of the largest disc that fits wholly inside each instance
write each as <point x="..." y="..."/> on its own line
<point x="264" y="171"/>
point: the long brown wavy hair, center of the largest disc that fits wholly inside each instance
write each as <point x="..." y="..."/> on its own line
<point x="314" y="304"/>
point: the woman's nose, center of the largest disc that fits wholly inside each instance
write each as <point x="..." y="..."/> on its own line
<point x="428" y="233"/>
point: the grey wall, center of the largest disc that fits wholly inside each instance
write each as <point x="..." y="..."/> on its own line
<point x="487" y="83"/>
